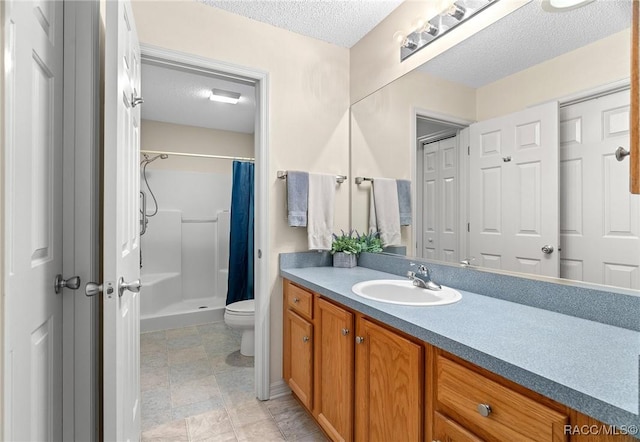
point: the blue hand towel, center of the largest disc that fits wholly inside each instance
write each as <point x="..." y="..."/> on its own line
<point x="404" y="201"/>
<point x="297" y="198"/>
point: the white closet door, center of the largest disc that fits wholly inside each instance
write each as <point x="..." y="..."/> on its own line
<point x="440" y="202"/>
<point x="121" y="231"/>
<point x="513" y="182"/>
<point x="600" y="219"/>
<point x="32" y="176"/>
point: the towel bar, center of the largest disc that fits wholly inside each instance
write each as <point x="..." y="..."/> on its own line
<point x="360" y="179"/>
<point x="282" y="175"/>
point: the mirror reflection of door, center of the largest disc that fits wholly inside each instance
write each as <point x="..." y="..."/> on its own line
<point x="597" y="221"/>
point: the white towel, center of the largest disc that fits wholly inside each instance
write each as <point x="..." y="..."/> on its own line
<point x="322" y="195"/>
<point x="387" y="211"/>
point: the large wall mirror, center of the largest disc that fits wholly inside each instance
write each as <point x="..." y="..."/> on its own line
<point x="509" y="139"/>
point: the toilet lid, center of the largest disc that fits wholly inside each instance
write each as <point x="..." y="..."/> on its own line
<point x="246" y="307"/>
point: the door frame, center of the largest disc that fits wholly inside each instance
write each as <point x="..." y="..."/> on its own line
<point x="260" y="78"/>
<point x="81" y="216"/>
<point x="463" y="210"/>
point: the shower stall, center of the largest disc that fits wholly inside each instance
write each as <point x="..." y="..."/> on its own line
<point x="185" y="246"/>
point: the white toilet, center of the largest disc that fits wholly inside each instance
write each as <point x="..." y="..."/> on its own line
<point x="240" y="316"/>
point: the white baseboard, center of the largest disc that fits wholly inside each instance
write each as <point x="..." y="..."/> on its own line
<point x="278" y="389"/>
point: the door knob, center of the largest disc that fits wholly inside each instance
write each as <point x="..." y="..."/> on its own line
<point x="621" y="152"/>
<point x="359" y="339"/>
<point x="133" y="286"/>
<point x="345" y="331"/>
<point x="547" y="249"/>
<point x="72" y="283"/>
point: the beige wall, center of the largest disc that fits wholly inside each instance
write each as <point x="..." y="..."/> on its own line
<point x="596" y="64"/>
<point x="308" y="108"/>
<point x="381" y="137"/>
<point x="157" y="135"/>
<point x="375" y="59"/>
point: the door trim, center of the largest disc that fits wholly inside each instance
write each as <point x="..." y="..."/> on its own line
<point x="417" y="112"/>
<point x="260" y="79"/>
<point x="81" y="219"/>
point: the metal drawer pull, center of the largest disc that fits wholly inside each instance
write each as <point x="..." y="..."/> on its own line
<point x="484" y="410"/>
<point x="296" y="300"/>
<point x="345" y="331"/>
<point x="359" y="339"/>
<point x="305" y="339"/>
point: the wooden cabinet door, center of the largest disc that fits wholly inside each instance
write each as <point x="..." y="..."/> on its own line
<point x="301" y="357"/>
<point x="334" y="371"/>
<point x="389" y="385"/>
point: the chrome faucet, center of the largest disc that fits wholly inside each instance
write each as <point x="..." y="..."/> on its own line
<point x="422" y="278"/>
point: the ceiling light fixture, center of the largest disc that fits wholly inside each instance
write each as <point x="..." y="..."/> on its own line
<point x="453" y="14"/>
<point x="224" y="96"/>
<point x="563" y="5"/>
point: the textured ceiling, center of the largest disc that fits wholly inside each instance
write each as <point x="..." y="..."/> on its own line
<point x="527" y="37"/>
<point x="524" y="38"/>
<point x="340" y="22"/>
<point x="175" y="96"/>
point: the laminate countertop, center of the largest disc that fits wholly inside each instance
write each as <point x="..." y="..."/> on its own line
<point x="586" y="365"/>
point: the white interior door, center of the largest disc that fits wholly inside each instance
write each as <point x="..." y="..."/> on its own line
<point x="440" y="202"/>
<point x="121" y="237"/>
<point x="513" y="196"/>
<point x="33" y="180"/>
<point x="600" y="219"/>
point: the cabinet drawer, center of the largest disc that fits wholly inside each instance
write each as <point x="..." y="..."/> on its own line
<point x="300" y="300"/>
<point x="446" y="430"/>
<point x="509" y="415"/>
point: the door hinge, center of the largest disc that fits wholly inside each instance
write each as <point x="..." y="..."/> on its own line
<point x="468" y="227"/>
<point x="468" y="150"/>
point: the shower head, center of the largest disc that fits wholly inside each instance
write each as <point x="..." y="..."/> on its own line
<point x="147" y="159"/>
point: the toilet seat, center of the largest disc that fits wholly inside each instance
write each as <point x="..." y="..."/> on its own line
<point x="241" y="308"/>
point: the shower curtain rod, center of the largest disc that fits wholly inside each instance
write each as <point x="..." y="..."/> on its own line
<point x="197" y="155"/>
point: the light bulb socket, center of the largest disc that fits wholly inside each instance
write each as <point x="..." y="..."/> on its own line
<point x="457" y="11"/>
<point x="430" y="29"/>
<point x="409" y="44"/>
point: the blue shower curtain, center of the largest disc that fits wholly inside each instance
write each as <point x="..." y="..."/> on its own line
<point x="240" y="284"/>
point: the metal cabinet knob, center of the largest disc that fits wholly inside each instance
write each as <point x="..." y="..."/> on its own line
<point x="547" y="249"/>
<point x="345" y="331"/>
<point x="484" y="410"/>
<point x="296" y="300"/>
<point x="305" y="339"/>
<point x="359" y="339"/>
<point x="133" y="286"/>
<point x="72" y="283"/>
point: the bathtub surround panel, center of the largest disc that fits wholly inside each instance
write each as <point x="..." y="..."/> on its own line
<point x="185" y="250"/>
<point x="200" y="265"/>
<point x="162" y="244"/>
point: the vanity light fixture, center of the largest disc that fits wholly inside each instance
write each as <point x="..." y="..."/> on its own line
<point x="224" y="96"/>
<point x="453" y="14"/>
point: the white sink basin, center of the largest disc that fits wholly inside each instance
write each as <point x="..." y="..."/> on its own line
<point x="395" y="291"/>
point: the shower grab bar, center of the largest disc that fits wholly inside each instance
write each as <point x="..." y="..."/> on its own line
<point x="143" y="219"/>
<point x="282" y="175"/>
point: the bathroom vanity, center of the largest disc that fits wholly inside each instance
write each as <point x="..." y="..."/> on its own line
<point x="480" y="369"/>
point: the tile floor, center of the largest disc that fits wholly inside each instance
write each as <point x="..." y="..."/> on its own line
<point x="196" y="386"/>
